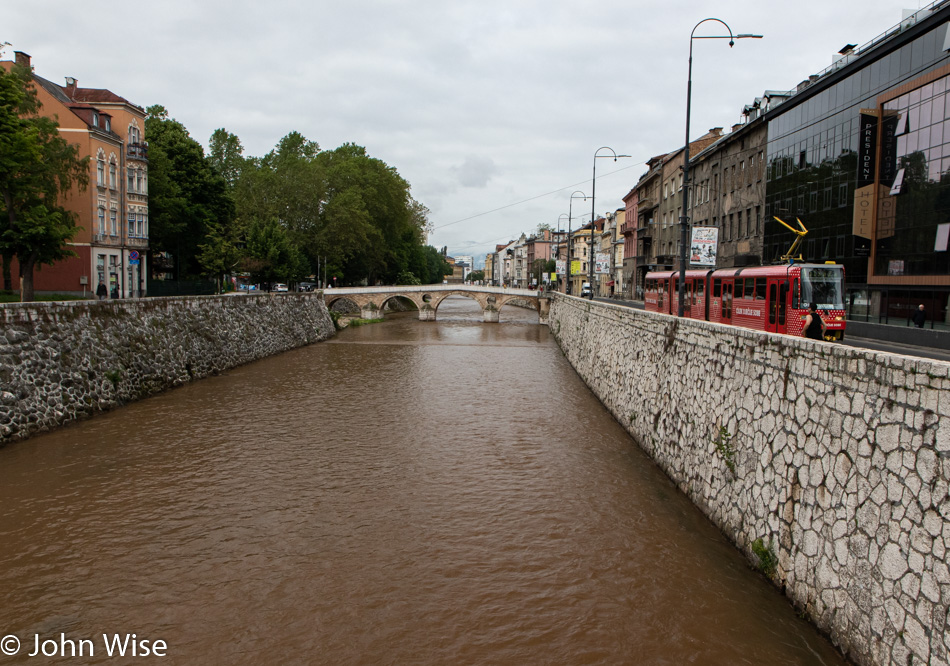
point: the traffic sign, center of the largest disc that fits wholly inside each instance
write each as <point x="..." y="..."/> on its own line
<point x="134" y="254"/>
<point x="133" y="262"/>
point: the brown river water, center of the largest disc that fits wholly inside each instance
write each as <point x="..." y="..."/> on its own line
<point x="407" y="493"/>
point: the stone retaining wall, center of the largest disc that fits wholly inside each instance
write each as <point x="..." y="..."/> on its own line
<point x="65" y="361"/>
<point x="833" y="461"/>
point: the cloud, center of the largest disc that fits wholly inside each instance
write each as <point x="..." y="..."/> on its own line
<point x="475" y="171"/>
<point x="453" y="94"/>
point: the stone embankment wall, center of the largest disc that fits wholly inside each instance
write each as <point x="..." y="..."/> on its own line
<point x="65" y="361"/>
<point x="827" y="465"/>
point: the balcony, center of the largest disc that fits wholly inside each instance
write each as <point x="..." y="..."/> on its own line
<point x="132" y="241"/>
<point x="137" y="151"/>
<point x="106" y="239"/>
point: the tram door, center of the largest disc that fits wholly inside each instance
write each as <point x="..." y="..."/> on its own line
<point x="727" y="301"/>
<point x="777" y="305"/>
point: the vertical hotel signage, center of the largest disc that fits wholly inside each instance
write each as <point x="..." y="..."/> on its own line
<point x="864" y="194"/>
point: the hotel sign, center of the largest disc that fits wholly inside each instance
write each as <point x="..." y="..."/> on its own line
<point x="862" y="221"/>
<point x="867" y="147"/>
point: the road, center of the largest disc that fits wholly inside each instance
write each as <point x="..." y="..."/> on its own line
<point x="865" y="343"/>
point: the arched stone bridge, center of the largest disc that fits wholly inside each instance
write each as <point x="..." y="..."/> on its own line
<point x="372" y="300"/>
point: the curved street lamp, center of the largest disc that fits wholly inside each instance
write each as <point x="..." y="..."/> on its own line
<point x="567" y="269"/>
<point x="684" y="218"/>
<point x="593" y="215"/>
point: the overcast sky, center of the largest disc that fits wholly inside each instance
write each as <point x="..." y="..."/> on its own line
<point x="491" y="110"/>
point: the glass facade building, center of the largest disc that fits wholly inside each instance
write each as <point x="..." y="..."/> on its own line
<point x="861" y="155"/>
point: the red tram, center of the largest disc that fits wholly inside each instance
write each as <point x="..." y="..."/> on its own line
<point x="766" y="298"/>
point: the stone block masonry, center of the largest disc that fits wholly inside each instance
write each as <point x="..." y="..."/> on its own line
<point x="828" y="466"/>
<point x="65" y="361"/>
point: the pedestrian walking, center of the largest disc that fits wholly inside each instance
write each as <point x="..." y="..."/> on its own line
<point x="920" y="316"/>
<point x="814" y="325"/>
<point x="101" y="291"/>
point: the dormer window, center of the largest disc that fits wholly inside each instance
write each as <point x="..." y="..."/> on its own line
<point x="95" y="119"/>
<point x="108" y="124"/>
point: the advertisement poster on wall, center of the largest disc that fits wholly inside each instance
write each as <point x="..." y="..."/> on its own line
<point x="575" y="267"/>
<point x="704" y="246"/>
<point x="560" y="266"/>
<point x="602" y="266"/>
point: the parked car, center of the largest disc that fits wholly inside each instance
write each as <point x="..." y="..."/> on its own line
<point x="306" y="286"/>
<point x="586" y="291"/>
<point x="280" y="286"/>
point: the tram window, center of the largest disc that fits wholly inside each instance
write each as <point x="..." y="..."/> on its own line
<point x="737" y="289"/>
<point x="760" y="289"/>
<point x="748" y="290"/>
<point x="717" y="287"/>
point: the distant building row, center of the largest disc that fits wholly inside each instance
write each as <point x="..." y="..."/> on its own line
<point x="859" y="152"/>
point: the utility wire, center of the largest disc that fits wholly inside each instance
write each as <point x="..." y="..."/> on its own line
<point x="524" y="201"/>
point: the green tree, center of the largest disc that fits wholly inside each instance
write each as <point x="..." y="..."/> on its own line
<point x="226" y="155"/>
<point x="436" y="265"/>
<point x="219" y="254"/>
<point x="372" y="197"/>
<point x="187" y="196"/>
<point x="270" y="256"/>
<point x="476" y="276"/>
<point x="37" y="167"/>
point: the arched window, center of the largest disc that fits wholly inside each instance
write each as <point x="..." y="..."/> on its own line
<point x="112" y="173"/>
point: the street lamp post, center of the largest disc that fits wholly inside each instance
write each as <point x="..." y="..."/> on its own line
<point x="684" y="218"/>
<point x="593" y="215"/>
<point x="570" y="208"/>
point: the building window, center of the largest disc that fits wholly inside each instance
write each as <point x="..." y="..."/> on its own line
<point x="112" y="171"/>
<point x="138" y="181"/>
<point x="102" y="220"/>
<point x="100" y="173"/>
<point x="112" y="218"/>
<point x="131" y="187"/>
<point x="131" y="220"/>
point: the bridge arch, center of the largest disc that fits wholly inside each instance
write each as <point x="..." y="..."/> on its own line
<point x="372" y="300"/>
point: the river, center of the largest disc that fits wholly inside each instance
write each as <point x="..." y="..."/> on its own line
<point x="409" y="492"/>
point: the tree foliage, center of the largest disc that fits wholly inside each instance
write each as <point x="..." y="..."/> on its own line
<point x="187" y="196"/>
<point x="37" y="169"/>
<point x="280" y="216"/>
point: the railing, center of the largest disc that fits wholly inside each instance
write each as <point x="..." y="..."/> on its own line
<point x="106" y="239"/>
<point x="134" y="241"/>
<point x="137" y="151"/>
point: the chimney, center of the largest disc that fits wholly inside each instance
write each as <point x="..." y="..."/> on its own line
<point x="22" y="58"/>
<point x="70" y="87"/>
<point x="736" y="126"/>
<point x="715" y="131"/>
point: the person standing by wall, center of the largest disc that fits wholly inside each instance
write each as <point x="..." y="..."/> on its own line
<point x="101" y="291"/>
<point x="920" y="316"/>
<point x="814" y="325"/>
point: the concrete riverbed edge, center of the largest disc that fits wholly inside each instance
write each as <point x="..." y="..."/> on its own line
<point x="828" y="466"/>
<point x="64" y="361"/>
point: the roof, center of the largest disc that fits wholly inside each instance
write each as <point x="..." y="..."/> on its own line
<point x="99" y="96"/>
